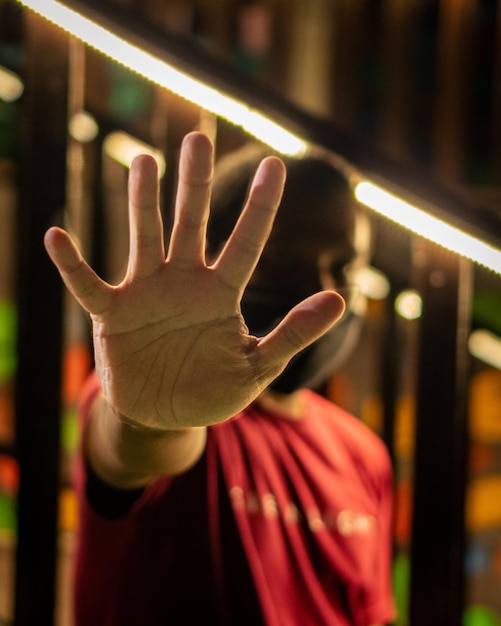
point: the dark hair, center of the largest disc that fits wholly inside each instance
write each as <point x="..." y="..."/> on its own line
<point x="314" y="191"/>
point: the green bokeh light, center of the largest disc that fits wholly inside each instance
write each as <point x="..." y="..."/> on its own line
<point x="401" y="575"/>
<point x="480" y="615"/>
<point x="8" y="325"/>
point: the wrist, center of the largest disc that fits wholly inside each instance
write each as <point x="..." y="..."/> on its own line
<point x="136" y="428"/>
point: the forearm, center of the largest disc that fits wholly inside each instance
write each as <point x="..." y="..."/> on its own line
<point x="128" y="457"/>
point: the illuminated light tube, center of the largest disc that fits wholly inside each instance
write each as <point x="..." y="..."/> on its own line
<point x="165" y="75"/>
<point x="485" y="346"/>
<point x="11" y="86"/>
<point x="122" y="147"/>
<point x="428" y="226"/>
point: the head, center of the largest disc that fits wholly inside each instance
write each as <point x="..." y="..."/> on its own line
<point x="314" y="245"/>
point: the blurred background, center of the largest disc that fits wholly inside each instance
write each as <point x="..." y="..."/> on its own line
<point x="415" y="81"/>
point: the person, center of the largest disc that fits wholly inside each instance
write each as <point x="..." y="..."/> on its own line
<point x="214" y="486"/>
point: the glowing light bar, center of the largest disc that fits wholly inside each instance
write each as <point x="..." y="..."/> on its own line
<point x="485" y="346"/>
<point x="428" y="226"/>
<point x="11" y="86"/>
<point x="122" y="147"/>
<point x="165" y="75"/>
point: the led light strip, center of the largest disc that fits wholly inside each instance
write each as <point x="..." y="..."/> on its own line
<point x="163" y="74"/>
<point x="427" y="225"/>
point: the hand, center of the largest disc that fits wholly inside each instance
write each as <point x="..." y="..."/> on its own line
<point x="171" y="347"/>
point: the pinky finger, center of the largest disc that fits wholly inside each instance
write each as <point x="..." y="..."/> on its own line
<point x="83" y="283"/>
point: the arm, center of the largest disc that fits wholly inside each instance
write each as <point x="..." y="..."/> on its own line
<point x="127" y="456"/>
<point x="172" y="351"/>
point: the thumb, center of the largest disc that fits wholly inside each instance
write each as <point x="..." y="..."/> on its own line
<point x="305" y="323"/>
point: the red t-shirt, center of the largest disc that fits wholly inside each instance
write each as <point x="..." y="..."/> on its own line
<point x="282" y="523"/>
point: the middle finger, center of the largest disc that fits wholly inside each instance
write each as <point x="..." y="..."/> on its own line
<point x="187" y="246"/>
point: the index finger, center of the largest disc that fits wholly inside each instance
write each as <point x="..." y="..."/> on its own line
<point x="243" y="249"/>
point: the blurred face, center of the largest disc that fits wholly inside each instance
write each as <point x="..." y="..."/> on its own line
<point x="299" y="260"/>
<point x="297" y="268"/>
<point x="297" y="263"/>
<point x="313" y="245"/>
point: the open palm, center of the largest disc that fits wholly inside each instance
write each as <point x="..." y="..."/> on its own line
<point x="171" y="347"/>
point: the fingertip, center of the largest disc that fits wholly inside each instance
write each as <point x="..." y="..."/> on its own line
<point x="336" y="302"/>
<point x="277" y="163"/>
<point x="143" y="179"/>
<point x="196" y="158"/>
<point x="144" y="162"/>
<point x="270" y="167"/>
<point x="51" y="237"/>
<point x="198" y="141"/>
<point x="330" y="303"/>
<point x="49" y="234"/>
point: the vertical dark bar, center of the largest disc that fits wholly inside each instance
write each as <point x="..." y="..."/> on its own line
<point x="495" y="135"/>
<point x="438" y="533"/>
<point x="398" y="23"/>
<point x="98" y="235"/>
<point x="351" y="21"/>
<point x="39" y="294"/>
<point x="390" y="374"/>
<point x="454" y="83"/>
